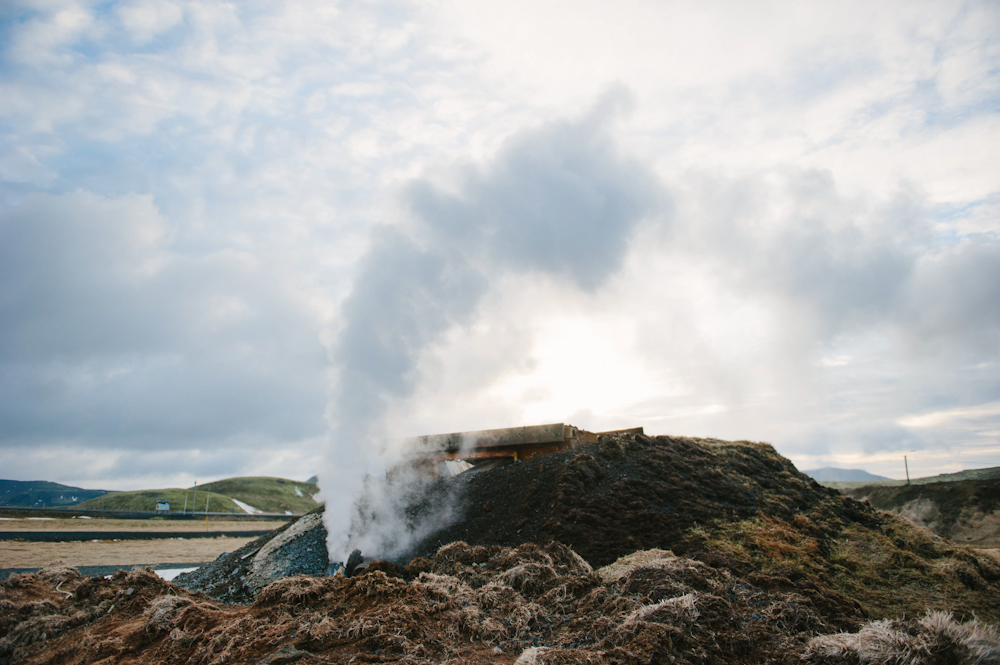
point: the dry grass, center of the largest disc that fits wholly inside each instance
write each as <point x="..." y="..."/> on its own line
<point x="893" y="570"/>
<point x="626" y="564"/>
<point x="474" y="606"/>
<point x="77" y="524"/>
<point x="937" y="638"/>
<point x="17" y="554"/>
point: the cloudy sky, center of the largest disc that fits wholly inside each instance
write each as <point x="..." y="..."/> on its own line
<point x="252" y="238"/>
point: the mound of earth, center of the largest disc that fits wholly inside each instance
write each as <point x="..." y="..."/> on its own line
<point x="964" y="511"/>
<point x="632" y="492"/>
<point x="605" y="500"/>
<point x="737" y="506"/>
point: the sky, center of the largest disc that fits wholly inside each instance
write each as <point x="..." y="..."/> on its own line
<point x="264" y="238"/>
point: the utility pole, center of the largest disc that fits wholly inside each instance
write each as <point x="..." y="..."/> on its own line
<point x="194" y="504"/>
<point x="907" y="465"/>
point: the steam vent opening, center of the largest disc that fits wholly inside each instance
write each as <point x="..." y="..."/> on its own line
<point x="467" y="452"/>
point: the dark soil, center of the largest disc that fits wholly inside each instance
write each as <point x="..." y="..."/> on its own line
<point x="629" y="493"/>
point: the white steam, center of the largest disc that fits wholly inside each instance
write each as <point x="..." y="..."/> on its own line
<point x="558" y="200"/>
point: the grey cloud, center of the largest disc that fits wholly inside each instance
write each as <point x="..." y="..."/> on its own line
<point x="954" y="296"/>
<point x="109" y="338"/>
<point x="846" y="265"/>
<point x="871" y="436"/>
<point x="559" y="199"/>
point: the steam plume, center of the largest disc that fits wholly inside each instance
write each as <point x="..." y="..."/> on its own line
<point x="559" y="199"/>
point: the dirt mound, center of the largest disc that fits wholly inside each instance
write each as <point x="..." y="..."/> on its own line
<point x="966" y="511"/>
<point x="605" y="500"/>
<point x="629" y="493"/>
<point x="734" y="506"/>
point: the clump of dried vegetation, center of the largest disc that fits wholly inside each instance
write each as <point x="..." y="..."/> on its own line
<point x="937" y="638"/>
<point x="474" y="604"/>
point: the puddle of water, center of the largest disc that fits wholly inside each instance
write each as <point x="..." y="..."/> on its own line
<point x="171" y="573"/>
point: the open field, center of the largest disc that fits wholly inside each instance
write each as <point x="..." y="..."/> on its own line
<point x="15" y="554"/>
<point x="79" y="524"/>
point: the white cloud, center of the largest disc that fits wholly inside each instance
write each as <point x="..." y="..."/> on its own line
<point x="817" y="267"/>
<point x="148" y="18"/>
<point x="938" y="418"/>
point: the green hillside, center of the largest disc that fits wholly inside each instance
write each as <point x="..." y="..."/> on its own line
<point x="147" y="499"/>
<point x="269" y="495"/>
<point x="272" y="495"/>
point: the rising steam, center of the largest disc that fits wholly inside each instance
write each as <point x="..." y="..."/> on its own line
<point x="558" y="199"/>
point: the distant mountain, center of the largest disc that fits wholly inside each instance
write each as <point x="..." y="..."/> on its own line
<point x="43" y="494"/>
<point x="833" y="474"/>
<point x="969" y="474"/>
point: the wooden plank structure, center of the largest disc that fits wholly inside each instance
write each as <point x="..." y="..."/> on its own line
<point x="510" y="444"/>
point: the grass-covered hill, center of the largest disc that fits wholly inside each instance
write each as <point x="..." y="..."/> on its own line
<point x="268" y="495"/>
<point x="43" y="494"/>
<point x="272" y="495"/>
<point x="965" y="511"/>
<point x="147" y="500"/>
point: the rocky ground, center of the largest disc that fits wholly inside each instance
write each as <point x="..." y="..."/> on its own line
<point x="649" y="550"/>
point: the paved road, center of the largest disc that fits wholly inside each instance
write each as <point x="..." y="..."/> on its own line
<point x="83" y="536"/>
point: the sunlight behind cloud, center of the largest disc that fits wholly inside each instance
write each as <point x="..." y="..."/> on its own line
<point x="579" y="364"/>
